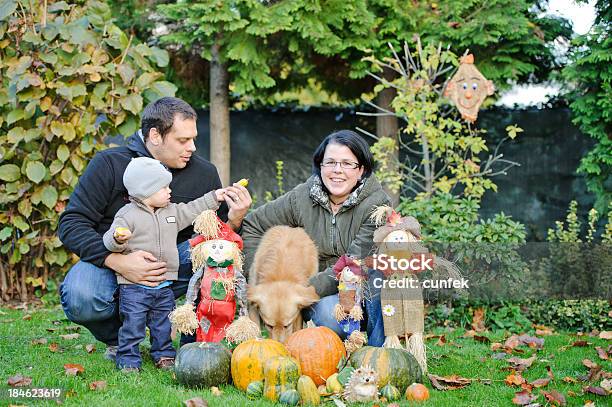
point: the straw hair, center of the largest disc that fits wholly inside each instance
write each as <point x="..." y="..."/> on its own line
<point x="392" y="342"/>
<point x="207" y="224"/>
<point x="184" y="319"/>
<point x="242" y="330"/>
<point x="380" y="213"/>
<point x="355" y="341"/>
<point x="416" y="346"/>
<point x="339" y="313"/>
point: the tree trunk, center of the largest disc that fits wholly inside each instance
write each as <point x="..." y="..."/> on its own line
<point x="219" y="115"/>
<point x="387" y="126"/>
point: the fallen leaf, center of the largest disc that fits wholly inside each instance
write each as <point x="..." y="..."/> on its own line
<point x="51" y="329"/>
<point x="568" y="379"/>
<point x="605" y="335"/>
<point x="478" y="320"/>
<point x="498" y="356"/>
<point x="543" y="330"/>
<point x="70" y="336"/>
<point x="549" y="372"/>
<point x="98" y="385"/>
<point x="512" y="342"/>
<point x="90" y="348"/>
<point x="555" y="397"/>
<point x="39" y="341"/>
<point x="496" y="346"/>
<point x="588" y="363"/>
<point x="514" y="379"/>
<point x="27" y="317"/>
<point x="521" y="364"/>
<point x="531" y="341"/>
<point x="74" y="328"/>
<point x="451" y="382"/>
<point x="581" y="344"/>
<point x="606" y="384"/>
<point x="215" y="391"/>
<point x="601" y="352"/>
<point x="595" y="390"/>
<point x="588" y="403"/>
<point x="53" y="347"/>
<point x="196" y="402"/>
<point x="523" y="398"/>
<point x="73" y="369"/>
<point x="540" y="382"/>
<point x="19" y="381"/>
<point x="480" y="338"/>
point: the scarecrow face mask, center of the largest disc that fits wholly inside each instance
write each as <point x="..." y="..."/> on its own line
<point x="219" y="250"/>
<point x="468" y="89"/>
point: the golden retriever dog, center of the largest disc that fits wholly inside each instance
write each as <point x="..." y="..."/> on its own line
<point x="278" y="279"/>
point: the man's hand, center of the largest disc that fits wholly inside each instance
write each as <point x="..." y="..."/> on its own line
<point x="139" y="267"/>
<point x="239" y="201"/>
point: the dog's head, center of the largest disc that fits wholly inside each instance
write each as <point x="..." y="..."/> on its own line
<point x="280" y="304"/>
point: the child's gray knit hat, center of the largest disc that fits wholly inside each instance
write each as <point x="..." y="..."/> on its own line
<point x="145" y="176"/>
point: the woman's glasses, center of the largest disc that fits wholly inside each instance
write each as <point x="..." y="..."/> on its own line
<point x="347" y="165"/>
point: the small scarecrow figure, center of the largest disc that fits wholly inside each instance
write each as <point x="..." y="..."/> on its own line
<point x="351" y="279"/>
<point x="468" y="88"/>
<point x="217" y="262"/>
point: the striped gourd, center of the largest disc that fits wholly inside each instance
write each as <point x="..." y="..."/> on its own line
<point x="308" y="391"/>
<point x="390" y="392"/>
<point x="395" y="366"/>
<point x="255" y="390"/>
<point x="249" y="357"/>
<point x="281" y="373"/>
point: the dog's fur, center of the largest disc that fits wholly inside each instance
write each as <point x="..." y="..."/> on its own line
<point x="278" y="279"/>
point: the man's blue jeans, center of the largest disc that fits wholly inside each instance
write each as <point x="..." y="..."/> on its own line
<point x="322" y="313"/>
<point x="141" y="307"/>
<point x="89" y="295"/>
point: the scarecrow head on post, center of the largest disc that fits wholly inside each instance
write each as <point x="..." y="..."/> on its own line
<point x="468" y="88"/>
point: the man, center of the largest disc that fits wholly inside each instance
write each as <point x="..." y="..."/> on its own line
<point x="88" y="293"/>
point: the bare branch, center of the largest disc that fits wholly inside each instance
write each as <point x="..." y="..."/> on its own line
<point x="367" y="133"/>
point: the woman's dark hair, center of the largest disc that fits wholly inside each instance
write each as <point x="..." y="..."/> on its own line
<point x="354" y="142"/>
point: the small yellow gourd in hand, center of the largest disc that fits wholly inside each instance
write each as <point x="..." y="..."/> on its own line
<point x="243" y="182"/>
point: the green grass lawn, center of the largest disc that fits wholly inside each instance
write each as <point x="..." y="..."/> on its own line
<point x="462" y="356"/>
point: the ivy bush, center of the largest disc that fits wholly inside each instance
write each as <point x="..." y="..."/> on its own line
<point x="70" y="77"/>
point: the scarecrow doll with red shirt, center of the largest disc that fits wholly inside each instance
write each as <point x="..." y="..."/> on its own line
<point x="217" y="263"/>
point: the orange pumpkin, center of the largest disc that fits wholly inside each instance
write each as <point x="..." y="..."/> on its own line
<point x="417" y="392"/>
<point x="249" y="357"/>
<point x="318" y="350"/>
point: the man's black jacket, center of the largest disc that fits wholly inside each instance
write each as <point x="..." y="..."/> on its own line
<point x="100" y="193"/>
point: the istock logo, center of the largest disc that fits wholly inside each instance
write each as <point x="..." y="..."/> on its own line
<point x="414" y="264"/>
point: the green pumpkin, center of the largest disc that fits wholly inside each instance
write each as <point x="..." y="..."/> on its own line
<point x="290" y="397"/>
<point x="390" y="392"/>
<point x="394" y="366"/>
<point x="202" y="364"/>
<point x="345" y="374"/>
<point x="255" y="389"/>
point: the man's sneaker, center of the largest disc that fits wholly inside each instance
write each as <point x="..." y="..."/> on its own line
<point x="111" y="352"/>
<point x="130" y="370"/>
<point x="165" y="363"/>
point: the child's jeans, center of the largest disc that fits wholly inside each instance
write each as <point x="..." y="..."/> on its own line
<point x="140" y="307"/>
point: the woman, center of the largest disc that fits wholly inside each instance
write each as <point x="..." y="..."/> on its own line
<point x="333" y="206"/>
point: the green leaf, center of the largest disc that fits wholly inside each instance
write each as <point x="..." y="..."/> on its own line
<point x="7" y="7"/>
<point x="146" y="79"/>
<point x="36" y="171"/>
<point x="9" y="172"/>
<point x="63" y="152"/>
<point x="6" y="233"/>
<point x="16" y="135"/>
<point x="161" y="56"/>
<point x="160" y="89"/>
<point x="77" y="162"/>
<point x="20" y="223"/>
<point x="14" y="116"/>
<point x="25" y="207"/>
<point x="126" y="72"/>
<point x="49" y="196"/>
<point x="132" y="103"/>
<point x="55" y="167"/>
